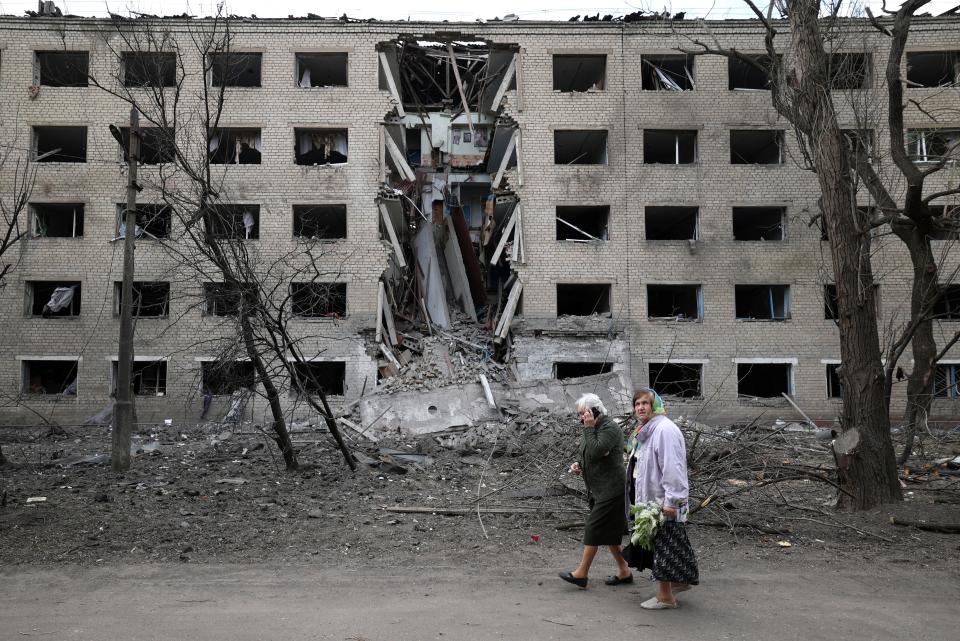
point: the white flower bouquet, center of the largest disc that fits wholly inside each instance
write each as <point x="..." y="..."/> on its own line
<point x="647" y="517"/>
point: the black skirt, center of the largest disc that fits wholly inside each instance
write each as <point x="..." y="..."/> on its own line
<point x="672" y="557"/>
<point x="606" y="522"/>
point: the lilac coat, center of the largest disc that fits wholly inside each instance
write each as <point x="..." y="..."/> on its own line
<point x="661" y="470"/>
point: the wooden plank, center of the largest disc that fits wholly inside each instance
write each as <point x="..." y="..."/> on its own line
<point x="504" y="237"/>
<point x="392" y="84"/>
<point x="487" y="391"/>
<point x="506" y="158"/>
<point x="507" y="77"/>
<point x="503" y="327"/>
<point x="463" y="96"/>
<point x="390" y="357"/>
<point x="379" y="311"/>
<point x="398" y="158"/>
<point x="392" y="233"/>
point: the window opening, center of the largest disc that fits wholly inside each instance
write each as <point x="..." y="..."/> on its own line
<point x="319" y="300"/>
<point x="830" y="303"/>
<point x="743" y="76"/>
<point x="222" y="378"/>
<point x="562" y="371"/>
<point x="152" y="221"/>
<point x="758" y="223"/>
<point x="316" y="376"/>
<point x="676" y="379"/>
<point x="946" y="222"/>
<point x="763" y="380"/>
<point x="149" y="69"/>
<point x="63" y="68"/>
<point x="50" y="377"/>
<point x="327" y="69"/>
<point x="669" y="147"/>
<point x="572" y="73"/>
<point x="150" y="298"/>
<point x="322" y="222"/>
<point x="57" y="220"/>
<point x="756" y="146"/>
<point x="583" y="299"/>
<point x="236" y="222"/>
<point x="582" y="223"/>
<point x="933" y="68"/>
<point x="762" y="302"/>
<point x="235" y="69"/>
<point x="579" y="147"/>
<point x="849" y="70"/>
<point x="70" y="141"/>
<point x="156" y="145"/>
<point x="947" y="305"/>
<point x="679" y="302"/>
<point x="234" y="146"/>
<point x="834" y="386"/>
<point x="671" y="223"/>
<point x="667" y="73"/>
<point x="933" y="145"/>
<point x="222" y="299"/>
<point x="320" y="146"/>
<point x="148" y="378"/>
<point x="946" y="381"/>
<point x="54" y="299"/>
<point x="859" y="141"/>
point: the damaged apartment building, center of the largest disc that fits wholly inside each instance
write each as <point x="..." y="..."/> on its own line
<point x="565" y="199"/>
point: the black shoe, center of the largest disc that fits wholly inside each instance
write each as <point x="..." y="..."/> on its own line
<point x="569" y="578"/>
<point x="615" y="580"/>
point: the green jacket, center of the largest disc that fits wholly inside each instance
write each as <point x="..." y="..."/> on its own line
<point x="601" y="459"/>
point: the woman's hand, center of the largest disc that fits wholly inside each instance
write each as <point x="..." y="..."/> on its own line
<point x="575" y="469"/>
<point x="588" y="419"/>
<point x="670" y="513"/>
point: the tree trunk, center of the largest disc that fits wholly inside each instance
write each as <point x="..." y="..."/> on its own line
<point x="3" y="459"/>
<point x="280" y="434"/>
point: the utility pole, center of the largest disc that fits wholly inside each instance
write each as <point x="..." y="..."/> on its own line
<point x="123" y="403"/>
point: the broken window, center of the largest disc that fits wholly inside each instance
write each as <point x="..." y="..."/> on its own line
<point x="579" y="72"/>
<point x="152" y="221"/>
<point x="762" y="302"/>
<point x="235" y="69"/>
<point x="237" y="222"/>
<point x="562" y="371"/>
<point x="320" y="222"/>
<point x="147" y="378"/>
<point x="946" y="381"/>
<point x="57" y="220"/>
<point x="859" y="141"/>
<point x="946" y="222"/>
<point x="222" y="378"/>
<point x="756" y="146"/>
<point x="742" y="75"/>
<point x="149" y="69"/>
<point x="678" y="302"/>
<point x="156" y="145"/>
<point x="933" y="145"/>
<point x="676" y="379"/>
<point x="50" y="377"/>
<point x="667" y="73"/>
<point x="234" y="146"/>
<point x="319" y="300"/>
<point x="834" y="386"/>
<point x="316" y="376"/>
<point x="150" y="298"/>
<point x="763" y="380"/>
<point x="326" y="69"/>
<point x="54" y="298"/>
<point x="933" y="68"/>
<point x="580" y="147"/>
<point x="947" y="305"/>
<point x="223" y="299"/>
<point x="669" y="146"/>
<point x="582" y="223"/>
<point x="320" y="146"/>
<point x="63" y="68"/>
<point x="672" y="223"/>
<point x="759" y="223"/>
<point x="60" y="144"/>
<point x="583" y="299"/>
<point x="849" y="70"/>
<point x="830" y="303"/>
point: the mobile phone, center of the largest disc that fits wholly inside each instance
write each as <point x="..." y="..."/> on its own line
<point x="596" y="412"/>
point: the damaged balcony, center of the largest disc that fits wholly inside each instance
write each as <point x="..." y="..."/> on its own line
<point x="151" y="299"/>
<point x="320" y="222"/>
<point x="321" y="69"/>
<point x="672" y="222"/>
<point x="761" y="380"/>
<point x="62" y="68"/>
<point x="583" y="299"/>
<point x="580" y="147"/>
<point x="235" y="69"/>
<point x="53" y="299"/>
<point x="320" y="146"/>
<point x="578" y="73"/>
<point x="756" y="146"/>
<point x="762" y="302"/>
<point x="675" y="302"/>
<point x="234" y="146"/>
<point x="680" y="380"/>
<point x="222" y="378"/>
<point x="314" y="377"/>
<point x="669" y="146"/>
<point x="933" y="68"/>
<point x="149" y="69"/>
<point x="318" y="300"/>
<point x="759" y="223"/>
<point x="153" y="221"/>
<point x="667" y="73"/>
<point x="57" y="220"/>
<point x="583" y="223"/>
<point x="60" y="144"/>
<point x="49" y="376"/>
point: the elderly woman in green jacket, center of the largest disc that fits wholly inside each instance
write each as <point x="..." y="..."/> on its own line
<point x="601" y="465"/>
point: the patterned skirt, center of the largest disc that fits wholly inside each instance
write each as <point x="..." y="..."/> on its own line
<point x="672" y="558"/>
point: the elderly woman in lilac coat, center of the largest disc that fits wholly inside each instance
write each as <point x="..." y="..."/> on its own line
<point x="657" y="471"/>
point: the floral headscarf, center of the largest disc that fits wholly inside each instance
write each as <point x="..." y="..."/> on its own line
<point x="657" y="410"/>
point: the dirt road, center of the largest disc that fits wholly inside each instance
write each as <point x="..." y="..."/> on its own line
<point x="259" y="602"/>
